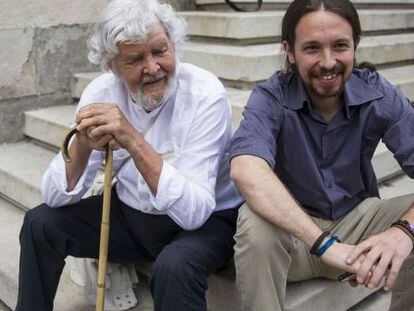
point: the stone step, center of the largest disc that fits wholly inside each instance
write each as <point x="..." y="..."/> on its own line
<point x="221" y="293"/>
<point x="220" y="5"/>
<point x="397" y="186"/>
<point x="301" y="296"/>
<point x="69" y="296"/>
<point x="22" y="164"/>
<point x="379" y="301"/>
<point x="246" y="65"/>
<point x="238" y="98"/>
<point x="264" y="26"/>
<point x="401" y="76"/>
<point x="21" y="169"/>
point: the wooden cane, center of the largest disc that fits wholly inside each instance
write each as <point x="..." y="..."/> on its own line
<point x="103" y="246"/>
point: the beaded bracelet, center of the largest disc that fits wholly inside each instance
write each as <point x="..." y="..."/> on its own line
<point x="318" y="242"/>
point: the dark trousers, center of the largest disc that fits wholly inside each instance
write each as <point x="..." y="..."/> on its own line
<point x="182" y="259"/>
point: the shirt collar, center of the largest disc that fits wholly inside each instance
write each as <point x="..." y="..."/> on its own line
<point x="356" y="92"/>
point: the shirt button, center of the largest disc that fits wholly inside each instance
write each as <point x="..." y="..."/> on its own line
<point x="142" y="181"/>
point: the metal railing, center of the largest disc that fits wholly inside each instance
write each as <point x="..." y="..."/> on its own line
<point x="240" y="9"/>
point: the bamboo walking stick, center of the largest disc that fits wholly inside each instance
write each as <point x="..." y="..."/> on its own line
<point x="103" y="246"/>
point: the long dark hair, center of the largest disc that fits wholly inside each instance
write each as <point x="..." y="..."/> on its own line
<point x="298" y="8"/>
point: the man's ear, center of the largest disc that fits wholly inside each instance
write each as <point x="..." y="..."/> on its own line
<point x="112" y="67"/>
<point x="288" y="51"/>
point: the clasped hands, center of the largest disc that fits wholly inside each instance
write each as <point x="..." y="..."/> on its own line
<point x="101" y="124"/>
<point x="378" y="257"/>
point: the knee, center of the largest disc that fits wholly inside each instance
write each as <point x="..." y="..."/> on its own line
<point x="36" y="219"/>
<point x="175" y="264"/>
<point x="37" y="215"/>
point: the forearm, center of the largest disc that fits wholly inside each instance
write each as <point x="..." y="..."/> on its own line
<point x="79" y="153"/>
<point x="267" y="196"/>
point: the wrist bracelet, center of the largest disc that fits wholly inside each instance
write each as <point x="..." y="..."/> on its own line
<point x="318" y="242"/>
<point x="406" y="227"/>
<point x="327" y="244"/>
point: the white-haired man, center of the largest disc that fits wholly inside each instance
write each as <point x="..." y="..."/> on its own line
<point x="170" y="124"/>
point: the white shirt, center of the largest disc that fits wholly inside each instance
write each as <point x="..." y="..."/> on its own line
<point x="192" y="131"/>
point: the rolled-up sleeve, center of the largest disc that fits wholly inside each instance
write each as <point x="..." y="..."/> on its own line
<point x="54" y="182"/>
<point x="186" y="188"/>
<point x="258" y="131"/>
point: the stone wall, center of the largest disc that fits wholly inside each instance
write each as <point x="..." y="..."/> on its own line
<point x="43" y="43"/>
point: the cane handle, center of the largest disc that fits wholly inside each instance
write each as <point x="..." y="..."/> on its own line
<point x="65" y="144"/>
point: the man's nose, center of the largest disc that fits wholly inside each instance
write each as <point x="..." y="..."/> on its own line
<point x="151" y="67"/>
<point x="327" y="61"/>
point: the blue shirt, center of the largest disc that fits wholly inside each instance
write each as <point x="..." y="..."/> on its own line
<point x="327" y="166"/>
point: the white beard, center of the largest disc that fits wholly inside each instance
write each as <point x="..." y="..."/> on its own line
<point x="150" y="104"/>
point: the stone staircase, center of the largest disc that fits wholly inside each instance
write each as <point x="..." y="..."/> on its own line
<point x="242" y="49"/>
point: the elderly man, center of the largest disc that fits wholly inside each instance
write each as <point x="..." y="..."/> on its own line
<point x="302" y="159"/>
<point x="173" y="203"/>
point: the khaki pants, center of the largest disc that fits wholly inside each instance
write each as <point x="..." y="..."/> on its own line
<point x="267" y="257"/>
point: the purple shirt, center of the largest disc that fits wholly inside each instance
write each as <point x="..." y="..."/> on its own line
<point x="327" y="166"/>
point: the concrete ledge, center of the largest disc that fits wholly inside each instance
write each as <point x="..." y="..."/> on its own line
<point x="11" y="113"/>
<point x="201" y="2"/>
<point x="21" y="169"/>
<point x="265" y="25"/>
<point x="22" y="165"/>
<point x="250" y="64"/>
<point x="49" y="125"/>
<point x="219" y="5"/>
<point x="69" y="295"/>
<point x="301" y="296"/>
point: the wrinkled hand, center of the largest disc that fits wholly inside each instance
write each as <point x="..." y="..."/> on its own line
<point x="386" y="250"/>
<point x="102" y="124"/>
<point x="97" y="143"/>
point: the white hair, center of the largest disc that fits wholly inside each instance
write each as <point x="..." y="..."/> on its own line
<point x="131" y="21"/>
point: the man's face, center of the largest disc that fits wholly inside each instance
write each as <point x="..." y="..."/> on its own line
<point x="147" y="68"/>
<point x="323" y="53"/>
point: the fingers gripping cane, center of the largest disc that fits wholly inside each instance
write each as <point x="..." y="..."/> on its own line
<point x="103" y="247"/>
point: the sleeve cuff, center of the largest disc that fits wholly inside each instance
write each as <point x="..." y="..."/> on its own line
<point x="60" y="178"/>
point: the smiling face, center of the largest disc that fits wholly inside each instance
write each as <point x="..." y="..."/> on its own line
<point x="323" y="53"/>
<point x="148" y="68"/>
